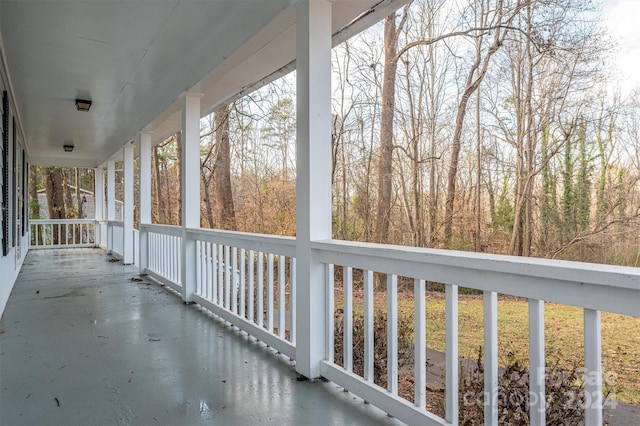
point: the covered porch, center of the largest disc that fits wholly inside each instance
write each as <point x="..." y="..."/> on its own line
<point x="131" y="333"/>
<point x="239" y="317"/>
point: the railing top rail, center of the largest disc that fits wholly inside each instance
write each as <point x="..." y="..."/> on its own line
<point x="162" y="229"/>
<point x="115" y="222"/>
<point x="259" y="242"/>
<point x="60" y="221"/>
<point x="603" y="287"/>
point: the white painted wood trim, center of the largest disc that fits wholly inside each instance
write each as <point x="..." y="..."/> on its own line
<point x="250" y="328"/>
<point x="281" y="297"/>
<point x="144" y="202"/>
<point x="452" y="366"/>
<point x="190" y="189"/>
<point x="392" y="334"/>
<point x="490" y="358"/>
<point x="251" y="289"/>
<point x="313" y="177"/>
<point x="368" y="326"/>
<point x="98" y="192"/>
<point x="392" y="404"/>
<point x="347" y="337"/>
<point x="537" y="398"/>
<point x="331" y="318"/>
<point x="171" y="230"/>
<point x="258" y="242"/>
<point x="593" y="368"/>
<point x="599" y="287"/>
<point x="127" y="210"/>
<point x="111" y="204"/>
<point x="420" y="350"/>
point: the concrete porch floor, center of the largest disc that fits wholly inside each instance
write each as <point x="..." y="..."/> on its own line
<point x="82" y="344"/>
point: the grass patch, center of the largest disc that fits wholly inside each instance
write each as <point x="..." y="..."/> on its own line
<point x="564" y="336"/>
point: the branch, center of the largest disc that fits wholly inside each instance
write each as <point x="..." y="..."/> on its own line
<point x="412" y="158"/>
<point x="582" y="236"/>
<point x="423" y="42"/>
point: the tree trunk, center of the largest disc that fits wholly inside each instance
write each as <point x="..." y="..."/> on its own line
<point x="55" y="197"/>
<point x="68" y="197"/>
<point x="159" y="200"/>
<point x="385" y="164"/>
<point x="180" y="172"/>
<point x="34" y="204"/>
<point x="415" y="216"/>
<point x="433" y="186"/>
<point x="226" y="211"/>
<point x="547" y="209"/>
<point x="347" y="232"/>
<point x="471" y="86"/>
<point x="208" y="202"/>
<point x="478" y="194"/>
<point x="521" y="236"/>
<point x="78" y="194"/>
<point x="434" y="104"/>
<point x="168" y="202"/>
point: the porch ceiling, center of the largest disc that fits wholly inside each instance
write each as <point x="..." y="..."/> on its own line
<point x="133" y="59"/>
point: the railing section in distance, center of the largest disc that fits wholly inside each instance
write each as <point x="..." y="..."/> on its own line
<point x="63" y="233"/>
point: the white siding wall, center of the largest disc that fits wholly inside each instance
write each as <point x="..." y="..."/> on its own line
<point x="11" y="263"/>
<point x="10" y="266"/>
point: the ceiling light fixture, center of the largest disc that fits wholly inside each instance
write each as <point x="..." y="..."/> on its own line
<point x="67" y="148"/>
<point x="83" y="105"/>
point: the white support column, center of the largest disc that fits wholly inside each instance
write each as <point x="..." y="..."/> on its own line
<point x="127" y="211"/>
<point x="111" y="201"/>
<point x="98" y="200"/>
<point x="144" y="148"/>
<point x="313" y="184"/>
<point x="111" y="190"/>
<point x="98" y="192"/>
<point x="190" y="189"/>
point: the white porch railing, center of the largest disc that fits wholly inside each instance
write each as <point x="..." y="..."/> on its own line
<point x="136" y="247"/>
<point x="592" y="287"/>
<point x="164" y="254"/>
<point x="245" y="278"/>
<point x="73" y="233"/>
<point x="115" y="230"/>
<point x="249" y="280"/>
<point x="62" y="233"/>
<point x="102" y="233"/>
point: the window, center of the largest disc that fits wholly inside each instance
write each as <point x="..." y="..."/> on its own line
<point x="25" y="193"/>
<point x="14" y="184"/>
<point x="5" y="173"/>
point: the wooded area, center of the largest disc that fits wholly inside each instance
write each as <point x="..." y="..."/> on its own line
<point x="63" y="188"/>
<point x="487" y="125"/>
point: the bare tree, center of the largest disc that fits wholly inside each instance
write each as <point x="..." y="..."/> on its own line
<point x="55" y="196"/>
<point x="385" y="163"/>
<point x="226" y="211"/>
<point x="486" y="16"/>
